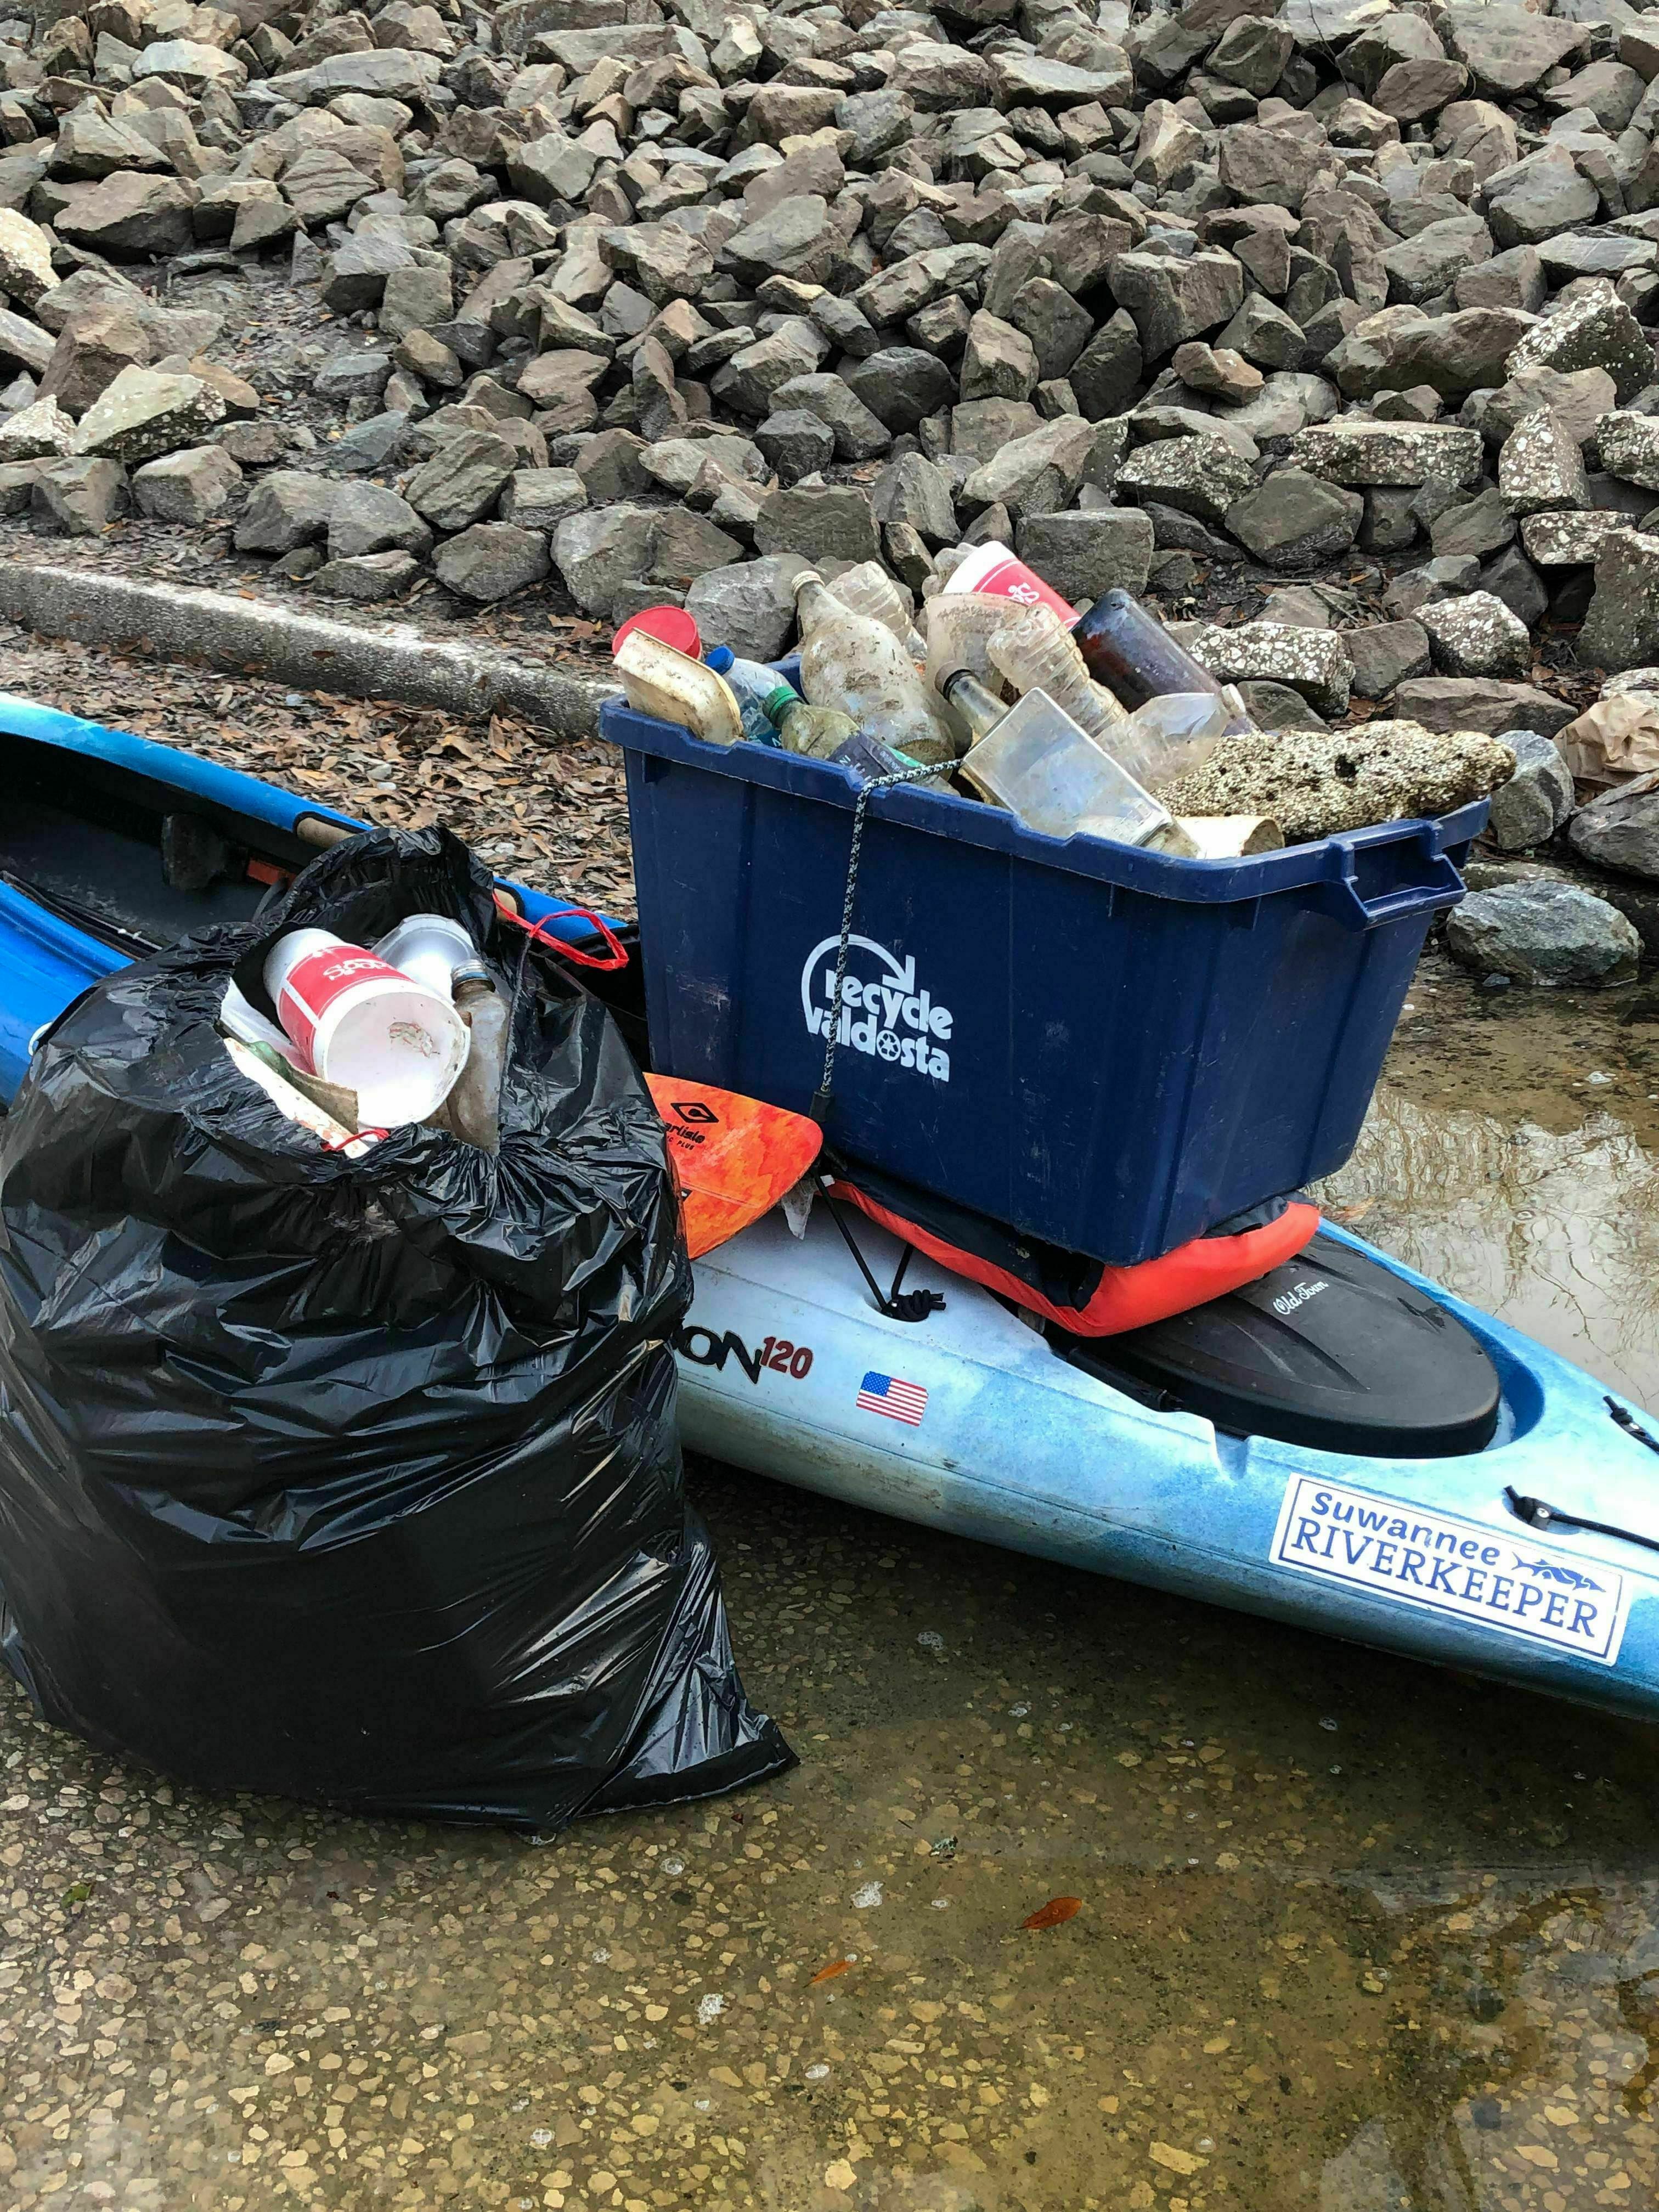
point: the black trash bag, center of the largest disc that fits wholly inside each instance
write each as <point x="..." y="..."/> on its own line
<point x="356" y="1480"/>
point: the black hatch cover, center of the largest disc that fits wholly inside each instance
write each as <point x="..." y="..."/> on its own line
<point x="1331" y="1351"/>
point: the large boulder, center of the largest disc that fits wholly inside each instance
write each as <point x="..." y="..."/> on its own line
<point x="1620" y="829"/>
<point x="1543" y="932"/>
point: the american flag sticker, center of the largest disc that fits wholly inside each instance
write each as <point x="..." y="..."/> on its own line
<point x="900" y="1402"/>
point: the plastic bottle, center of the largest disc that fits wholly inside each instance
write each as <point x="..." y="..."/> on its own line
<point x="473" y="1108"/>
<point x="752" y="685"/>
<point x="1127" y="648"/>
<point x="854" y="662"/>
<point x="1172" y="735"/>
<point x="1034" y="650"/>
<point x="1034" y="760"/>
<point x="869" y="590"/>
<point x="960" y="626"/>
<point x="660" y="681"/>
<point x="814" y="730"/>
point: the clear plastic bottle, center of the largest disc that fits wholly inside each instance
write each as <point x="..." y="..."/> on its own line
<point x="1034" y="650"/>
<point x="854" y="662"/>
<point x="752" y="685"/>
<point x="960" y="626"/>
<point x="1034" y="760"/>
<point x="1172" y="735"/>
<point x="869" y="590"/>
<point x="814" y="731"/>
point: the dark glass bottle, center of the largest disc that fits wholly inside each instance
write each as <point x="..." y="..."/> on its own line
<point x="1129" y="651"/>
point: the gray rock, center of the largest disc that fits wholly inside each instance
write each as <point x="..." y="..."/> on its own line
<point x="145" y="412"/>
<point x="354" y="277"/>
<point x="368" y="518"/>
<point x="1573" y="539"/>
<point x="1543" y="932"/>
<point x="1541" y="467"/>
<point x="1629" y="448"/>
<point x="1621" y="628"/>
<point x="1276" y="707"/>
<point x="1262" y="334"/>
<point x="1202" y="476"/>
<point x="491" y="561"/>
<point x="1619" y="829"/>
<point x="1085" y="553"/>
<point x="1039" y="473"/>
<point x="1386" y="653"/>
<point x="748" y="606"/>
<point x="352" y="373"/>
<point x="1479" y="526"/>
<point x="1511" y="577"/>
<point x="900" y="385"/>
<point x="1594" y="330"/>
<point x="915" y="493"/>
<point x="289" y="508"/>
<point x="798" y="443"/>
<point x="1538" y="797"/>
<point x="462" y="481"/>
<point x="1295" y="521"/>
<point x="1400" y="347"/>
<point x="1354" y="452"/>
<point x="540" y="499"/>
<point x="1507" y="50"/>
<point x="1476" y="635"/>
<point x="605" y="553"/>
<point x="95" y="345"/>
<point x="998" y="361"/>
<point x="79" y="496"/>
<point x="1538" y="198"/>
<point x="860" y="435"/>
<point x="187" y="487"/>
<point x="1381" y="771"/>
<point x="131" y="214"/>
<point x="1107" y="372"/>
<point x="821" y="522"/>
<point x="1444" y="704"/>
<point x="368" y="576"/>
<point x="1314" y="662"/>
<point x="1171" y="301"/>
<point x="37" y="433"/>
<point x="1422" y="267"/>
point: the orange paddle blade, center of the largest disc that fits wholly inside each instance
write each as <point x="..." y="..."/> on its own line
<point x="734" y="1156"/>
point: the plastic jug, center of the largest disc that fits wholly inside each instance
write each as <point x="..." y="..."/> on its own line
<point x="1034" y="760"/>
<point x="854" y="662"/>
<point x="660" y="681"/>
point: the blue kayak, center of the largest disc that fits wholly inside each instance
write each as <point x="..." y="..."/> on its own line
<point x="1492" y="1508"/>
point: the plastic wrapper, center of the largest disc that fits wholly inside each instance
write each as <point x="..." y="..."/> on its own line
<point x="356" y="1479"/>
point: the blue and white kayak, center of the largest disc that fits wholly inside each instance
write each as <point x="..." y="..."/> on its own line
<point x="1531" y="1555"/>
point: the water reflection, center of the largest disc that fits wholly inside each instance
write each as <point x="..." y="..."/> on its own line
<point x="1557" y="1232"/>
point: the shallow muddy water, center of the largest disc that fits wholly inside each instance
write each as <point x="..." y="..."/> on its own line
<point x="1353" y="1936"/>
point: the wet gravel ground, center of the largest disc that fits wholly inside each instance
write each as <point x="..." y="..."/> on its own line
<point x="1353" y="1936"/>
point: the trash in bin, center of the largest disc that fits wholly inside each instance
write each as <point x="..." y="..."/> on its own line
<point x="1034" y="760"/>
<point x="752" y="686"/>
<point x="854" y="662"/>
<point x="349" y="1471"/>
<point x="1033" y="651"/>
<point x="359" y="1021"/>
<point x="659" y="680"/>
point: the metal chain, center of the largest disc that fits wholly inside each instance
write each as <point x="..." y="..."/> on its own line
<point x="821" y="1104"/>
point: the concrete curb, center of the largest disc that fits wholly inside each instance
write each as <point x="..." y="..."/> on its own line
<point x="255" y="637"/>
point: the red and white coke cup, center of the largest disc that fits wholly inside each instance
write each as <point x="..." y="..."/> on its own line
<point x="997" y="573"/>
<point x="358" y="1022"/>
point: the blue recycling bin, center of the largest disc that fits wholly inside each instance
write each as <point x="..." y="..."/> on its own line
<point x="1108" y="1048"/>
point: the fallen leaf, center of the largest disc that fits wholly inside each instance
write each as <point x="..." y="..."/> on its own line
<point x="827" y="1973"/>
<point x="1051" y="1914"/>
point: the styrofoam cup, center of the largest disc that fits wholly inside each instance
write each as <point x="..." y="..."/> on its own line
<point x="429" y="947"/>
<point x="367" y="1026"/>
